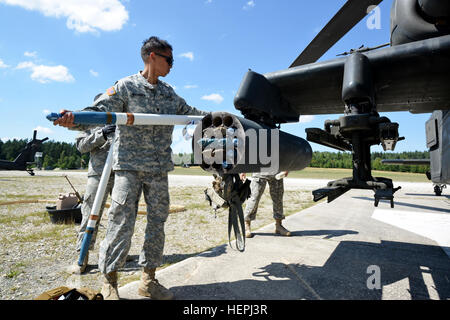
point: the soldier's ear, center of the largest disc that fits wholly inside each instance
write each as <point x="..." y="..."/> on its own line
<point x="149" y="58"/>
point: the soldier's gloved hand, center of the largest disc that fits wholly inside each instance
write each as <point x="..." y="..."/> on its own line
<point x="107" y="130"/>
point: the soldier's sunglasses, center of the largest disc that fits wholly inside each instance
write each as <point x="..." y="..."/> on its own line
<point x="169" y="59"/>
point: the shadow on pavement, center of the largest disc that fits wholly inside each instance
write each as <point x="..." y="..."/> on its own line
<point x="345" y="275"/>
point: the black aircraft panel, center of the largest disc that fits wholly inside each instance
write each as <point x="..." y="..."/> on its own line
<point x="411" y="77"/>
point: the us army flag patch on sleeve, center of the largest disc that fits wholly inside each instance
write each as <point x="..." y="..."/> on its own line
<point x="111" y="91"/>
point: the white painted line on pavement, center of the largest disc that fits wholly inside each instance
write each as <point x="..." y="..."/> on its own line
<point x="435" y="226"/>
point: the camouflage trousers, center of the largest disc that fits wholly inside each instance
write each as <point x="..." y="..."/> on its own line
<point x="86" y="207"/>
<point x="257" y="187"/>
<point x="128" y="187"/>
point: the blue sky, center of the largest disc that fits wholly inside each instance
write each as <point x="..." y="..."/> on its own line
<point x="60" y="54"/>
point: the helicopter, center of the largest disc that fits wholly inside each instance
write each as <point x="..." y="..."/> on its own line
<point x="412" y="73"/>
<point x="25" y="157"/>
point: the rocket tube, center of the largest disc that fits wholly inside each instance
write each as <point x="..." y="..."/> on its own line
<point x="130" y="119"/>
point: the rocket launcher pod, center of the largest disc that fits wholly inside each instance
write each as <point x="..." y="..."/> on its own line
<point x="226" y="144"/>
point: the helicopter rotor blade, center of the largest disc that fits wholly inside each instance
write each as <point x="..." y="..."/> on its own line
<point x="347" y="17"/>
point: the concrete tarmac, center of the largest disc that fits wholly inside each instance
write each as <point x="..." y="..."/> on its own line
<point x="347" y="249"/>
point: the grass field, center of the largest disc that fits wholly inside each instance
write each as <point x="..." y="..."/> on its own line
<point x="35" y="252"/>
<point x="323" y="173"/>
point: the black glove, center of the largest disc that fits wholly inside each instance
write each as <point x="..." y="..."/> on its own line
<point x="107" y="130"/>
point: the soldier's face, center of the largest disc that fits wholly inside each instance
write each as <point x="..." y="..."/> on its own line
<point x="162" y="65"/>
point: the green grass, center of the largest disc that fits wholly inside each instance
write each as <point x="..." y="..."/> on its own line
<point x="17" y="197"/>
<point x="321" y="173"/>
<point x="333" y="174"/>
<point x="15" y="270"/>
<point x="13" y="219"/>
<point x="53" y="232"/>
<point x="194" y="171"/>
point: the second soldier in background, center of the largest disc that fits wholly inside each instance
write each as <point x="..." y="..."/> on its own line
<point x="257" y="187"/>
<point x="96" y="142"/>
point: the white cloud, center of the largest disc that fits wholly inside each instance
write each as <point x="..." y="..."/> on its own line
<point x="46" y="111"/>
<point x="305" y="119"/>
<point x="82" y="15"/>
<point x="45" y="74"/>
<point x="3" y="65"/>
<point x="249" y="5"/>
<point x="43" y="130"/>
<point x="215" y="97"/>
<point x="188" y="55"/>
<point x="30" y="54"/>
<point x="25" y="64"/>
<point x="93" y="73"/>
<point x="191" y="86"/>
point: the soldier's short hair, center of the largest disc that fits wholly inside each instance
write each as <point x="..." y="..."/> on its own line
<point x="153" y="44"/>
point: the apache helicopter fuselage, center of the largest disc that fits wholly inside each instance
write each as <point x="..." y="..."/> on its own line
<point x="25" y="157"/>
<point x="413" y="74"/>
<point x="438" y="142"/>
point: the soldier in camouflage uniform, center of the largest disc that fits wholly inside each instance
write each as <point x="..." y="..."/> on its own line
<point x="257" y="186"/>
<point x="96" y="142"/>
<point x="142" y="159"/>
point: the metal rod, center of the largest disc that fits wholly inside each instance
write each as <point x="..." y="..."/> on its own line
<point x="76" y="192"/>
<point x="90" y="228"/>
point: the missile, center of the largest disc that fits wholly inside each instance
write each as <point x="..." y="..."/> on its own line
<point x="130" y="119"/>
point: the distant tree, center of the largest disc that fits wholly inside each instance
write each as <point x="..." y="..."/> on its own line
<point x="48" y="162"/>
<point x="66" y="156"/>
<point x="344" y="160"/>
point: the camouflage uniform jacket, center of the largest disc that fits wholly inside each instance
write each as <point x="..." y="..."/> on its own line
<point x="92" y="141"/>
<point x="143" y="148"/>
<point x="265" y="175"/>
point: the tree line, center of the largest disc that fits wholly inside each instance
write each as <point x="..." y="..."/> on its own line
<point x="66" y="156"/>
<point x="344" y="160"/>
<point x="55" y="154"/>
